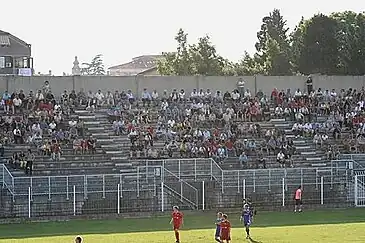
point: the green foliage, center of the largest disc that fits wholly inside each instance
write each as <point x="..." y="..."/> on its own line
<point x="95" y="67"/>
<point x="332" y="45"/>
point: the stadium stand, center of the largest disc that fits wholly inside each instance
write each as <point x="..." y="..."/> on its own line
<point x="105" y="133"/>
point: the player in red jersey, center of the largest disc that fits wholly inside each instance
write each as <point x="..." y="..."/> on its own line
<point x="225" y="229"/>
<point x="177" y="221"/>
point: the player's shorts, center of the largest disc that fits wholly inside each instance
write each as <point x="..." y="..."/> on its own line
<point x="246" y="222"/>
<point x="298" y="202"/>
<point x="177" y="226"/>
<point x="217" y="232"/>
<point x="225" y="236"/>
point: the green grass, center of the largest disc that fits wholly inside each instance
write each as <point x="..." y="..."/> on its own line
<point x="269" y="227"/>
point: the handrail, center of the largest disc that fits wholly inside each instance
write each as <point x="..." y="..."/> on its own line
<point x="9" y="187"/>
<point x="181" y="180"/>
<point x="181" y="196"/>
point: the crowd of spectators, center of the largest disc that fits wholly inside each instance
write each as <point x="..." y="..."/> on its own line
<point x="40" y="122"/>
<point x="202" y="123"/>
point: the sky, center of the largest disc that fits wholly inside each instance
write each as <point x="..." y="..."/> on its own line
<point x="120" y="29"/>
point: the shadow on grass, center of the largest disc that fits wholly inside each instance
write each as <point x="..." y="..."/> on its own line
<point x="192" y="221"/>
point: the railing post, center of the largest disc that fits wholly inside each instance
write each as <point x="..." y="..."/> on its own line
<point x="179" y="169"/>
<point x="331" y="178"/>
<point x="103" y="186"/>
<point x="203" y="195"/>
<point x="29" y="202"/>
<point x="321" y="190"/>
<point x="118" y="209"/>
<point x="31" y="187"/>
<point x="254" y="181"/>
<point x="3" y="176"/>
<point x="67" y="192"/>
<point x="74" y="197"/>
<point x="147" y="170"/>
<point x="154" y="186"/>
<point x="85" y="186"/>
<point x="195" y="169"/>
<point x="244" y="188"/>
<point x="162" y="197"/>
<point x="138" y="181"/>
<point x="211" y="169"/>
<point x="238" y="181"/>
<point x="301" y="177"/>
<point x="222" y="182"/>
<point x="283" y="189"/>
<point x="121" y="186"/>
<point x="355" y="192"/>
<point x="181" y="190"/>
<point x="49" y="188"/>
<point x="269" y="180"/>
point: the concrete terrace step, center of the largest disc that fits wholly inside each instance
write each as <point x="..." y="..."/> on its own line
<point x="308" y="153"/>
<point x="95" y="128"/>
<point x="82" y="112"/>
<point x="281" y="125"/>
<point x="303" y="147"/>
<point x="119" y="158"/>
<point x="277" y="120"/>
<point x="123" y="165"/>
<point x="115" y="152"/>
<point x="87" y="117"/>
<point x="313" y="159"/>
<point x="299" y="141"/>
<point x="92" y="123"/>
<point x="319" y="165"/>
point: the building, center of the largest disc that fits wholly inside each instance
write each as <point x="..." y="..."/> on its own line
<point x="141" y="65"/>
<point x="15" y="55"/>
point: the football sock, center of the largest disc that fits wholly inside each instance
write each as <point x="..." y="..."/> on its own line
<point x="248" y="231"/>
<point x="217" y="239"/>
<point x="177" y="236"/>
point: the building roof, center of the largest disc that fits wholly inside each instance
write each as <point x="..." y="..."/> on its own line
<point x="13" y="46"/>
<point x="141" y="62"/>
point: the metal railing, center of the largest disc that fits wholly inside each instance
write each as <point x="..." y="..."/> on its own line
<point x="182" y="179"/>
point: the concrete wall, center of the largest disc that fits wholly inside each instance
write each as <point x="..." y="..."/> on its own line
<point x="160" y="83"/>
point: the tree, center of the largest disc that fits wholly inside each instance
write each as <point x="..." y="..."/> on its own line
<point x="196" y="59"/>
<point x="95" y="67"/>
<point x="273" y="40"/>
<point x="350" y="35"/>
<point x="319" y="47"/>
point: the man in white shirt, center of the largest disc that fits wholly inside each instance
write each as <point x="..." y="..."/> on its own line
<point x="17" y="136"/>
<point x="109" y="98"/>
<point x="17" y="103"/>
<point x="99" y="98"/>
<point x="281" y="158"/>
<point x="298" y="93"/>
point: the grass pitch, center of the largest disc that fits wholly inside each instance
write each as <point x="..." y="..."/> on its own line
<point x="332" y="226"/>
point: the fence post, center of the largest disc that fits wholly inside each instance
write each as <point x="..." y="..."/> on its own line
<point x="138" y="181"/>
<point x="31" y="187"/>
<point x="103" y="186"/>
<point x="85" y="186"/>
<point x="203" y="195"/>
<point x="147" y="170"/>
<point x="301" y="177"/>
<point x="321" y="190"/>
<point x="3" y="176"/>
<point x="238" y="182"/>
<point x="211" y="169"/>
<point x="269" y="180"/>
<point x="74" y="200"/>
<point x="179" y="169"/>
<point x="355" y="192"/>
<point x="181" y="190"/>
<point x="244" y="188"/>
<point x="49" y="188"/>
<point x="162" y="197"/>
<point x="67" y="192"/>
<point x="154" y="186"/>
<point x="331" y="177"/>
<point x="121" y="187"/>
<point x="118" y="210"/>
<point x="254" y="181"/>
<point x="222" y="183"/>
<point x="29" y="201"/>
<point x="195" y="169"/>
<point x="283" y="189"/>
